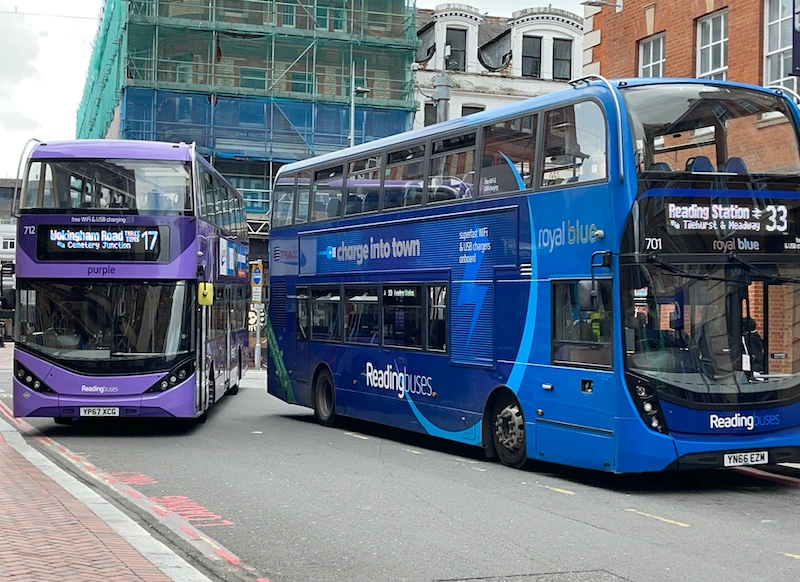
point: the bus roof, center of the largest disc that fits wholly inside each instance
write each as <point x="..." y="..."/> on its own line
<point x="112" y="149"/>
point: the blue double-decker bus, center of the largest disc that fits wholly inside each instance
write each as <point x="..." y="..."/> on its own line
<point x="605" y="277"/>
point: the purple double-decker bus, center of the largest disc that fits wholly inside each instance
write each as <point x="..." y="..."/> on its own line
<point x="132" y="282"/>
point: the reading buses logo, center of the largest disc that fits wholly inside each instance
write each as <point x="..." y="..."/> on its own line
<point x="400" y="381"/>
<point x="98" y="389"/>
<point x="740" y="421"/>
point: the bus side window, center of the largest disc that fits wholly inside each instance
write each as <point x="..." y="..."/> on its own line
<point x="301" y="323"/>
<point x="437" y="318"/>
<point x="509" y="149"/>
<point x="574" y="145"/>
<point x="581" y="337"/>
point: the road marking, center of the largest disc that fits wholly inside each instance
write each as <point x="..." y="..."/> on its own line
<point x="471" y="461"/>
<point x="413" y="452"/>
<point x="358" y="436"/>
<point x="481" y="469"/>
<point x="767" y="476"/>
<point x="664" y="519"/>
<point x="795" y="556"/>
<point x="557" y="490"/>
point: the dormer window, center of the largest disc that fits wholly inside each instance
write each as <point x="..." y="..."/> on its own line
<point x="532" y="56"/>
<point x="455" y="52"/>
<point x="562" y="59"/>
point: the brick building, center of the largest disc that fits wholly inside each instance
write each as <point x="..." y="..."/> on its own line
<point x="748" y="41"/>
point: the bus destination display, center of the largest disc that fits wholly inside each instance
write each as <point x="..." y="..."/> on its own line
<point x="724" y="224"/>
<point x="102" y="243"/>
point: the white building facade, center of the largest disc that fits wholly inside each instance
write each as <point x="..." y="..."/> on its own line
<point x="491" y="61"/>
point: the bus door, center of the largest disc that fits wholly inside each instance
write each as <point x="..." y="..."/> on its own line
<point x="230" y="348"/>
<point x="205" y="298"/>
<point x="299" y="366"/>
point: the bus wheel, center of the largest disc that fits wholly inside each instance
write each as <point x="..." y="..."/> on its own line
<point x="65" y="420"/>
<point x="509" y="432"/>
<point x="324" y="399"/>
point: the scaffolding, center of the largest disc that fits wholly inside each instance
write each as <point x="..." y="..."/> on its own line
<point x="251" y="80"/>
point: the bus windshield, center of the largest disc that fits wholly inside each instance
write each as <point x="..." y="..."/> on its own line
<point x="700" y="128"/>
<point x="92" y="327"/>
<point x="144" y="186"/>
<point x="712" y="333"/>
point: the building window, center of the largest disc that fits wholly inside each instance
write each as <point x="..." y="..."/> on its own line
<point x="470" y="109"/>
<point x="337" y="14"/>
<point x="712" y="46"/>
<point x="322" y="17"/>
<point x="9" y="245"/>
<point x="288" y="14"/>
<point x="532" y="56"/>
<point x="562" y="59"/>
<point x="302" y="83"/>
<point x="252" y="78"/>
<point x="455" y="54"/>
<point x="652" y="56"/>
<point x="778" y="39"/>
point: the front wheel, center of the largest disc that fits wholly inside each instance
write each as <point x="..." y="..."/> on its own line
<point x="509" y="432"/>
<point x="324" y="399"/>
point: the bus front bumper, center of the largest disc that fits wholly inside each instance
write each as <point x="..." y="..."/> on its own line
<point x="177" y="402"/>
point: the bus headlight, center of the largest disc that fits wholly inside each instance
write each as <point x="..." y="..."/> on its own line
<point x="30" y="380"/>
<point x="647" y="404"/>
<point x="175" y="376"/>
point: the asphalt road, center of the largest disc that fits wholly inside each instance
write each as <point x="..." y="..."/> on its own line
<point x="298" y="502"/>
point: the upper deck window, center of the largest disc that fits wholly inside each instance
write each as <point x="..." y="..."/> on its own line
<point x="702" y="129"/>
<point x="326" y="195"/>
<point x="139" y="186"/>
<point x="509" y="150"/>
<point x="404" y="173"/>
<point x="574" y="145"/>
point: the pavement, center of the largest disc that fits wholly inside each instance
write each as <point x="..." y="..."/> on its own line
<point x="55" y="528"/>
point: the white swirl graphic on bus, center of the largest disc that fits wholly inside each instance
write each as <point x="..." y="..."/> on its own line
<point x="399" y="380"/>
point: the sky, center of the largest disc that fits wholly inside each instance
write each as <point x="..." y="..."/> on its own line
<point x="45" y="46"/>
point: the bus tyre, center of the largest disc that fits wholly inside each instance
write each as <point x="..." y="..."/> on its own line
<point x="509" y="432"/>
<point x="324" y="399"/>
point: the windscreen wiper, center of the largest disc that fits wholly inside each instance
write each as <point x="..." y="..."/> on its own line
<point x="760" y="272"/>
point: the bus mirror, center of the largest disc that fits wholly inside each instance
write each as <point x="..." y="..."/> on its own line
<point x="205" y="294"/>
<point x="587" y="295"/>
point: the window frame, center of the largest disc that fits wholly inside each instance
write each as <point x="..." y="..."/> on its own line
<point x="646" y="46"/>
<point x="533" y="57"/>
<point x="713" y="73"/>
<point x="782" y="53"/>
<point x="557" y="343"/>
<point x="562" y="60"/>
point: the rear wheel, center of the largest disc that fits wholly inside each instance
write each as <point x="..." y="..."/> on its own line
<point x="509" y="432"/>
<point x="324" y="399"/>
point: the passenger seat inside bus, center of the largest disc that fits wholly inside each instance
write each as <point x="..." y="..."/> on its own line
<point x="699" y="164"/>
<point x="736" y="166"/>
<point x="334" y="208"/>
<point x="370" y="202"/>
<point x="660" y="167"/>
<point x="353" y="205"/>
